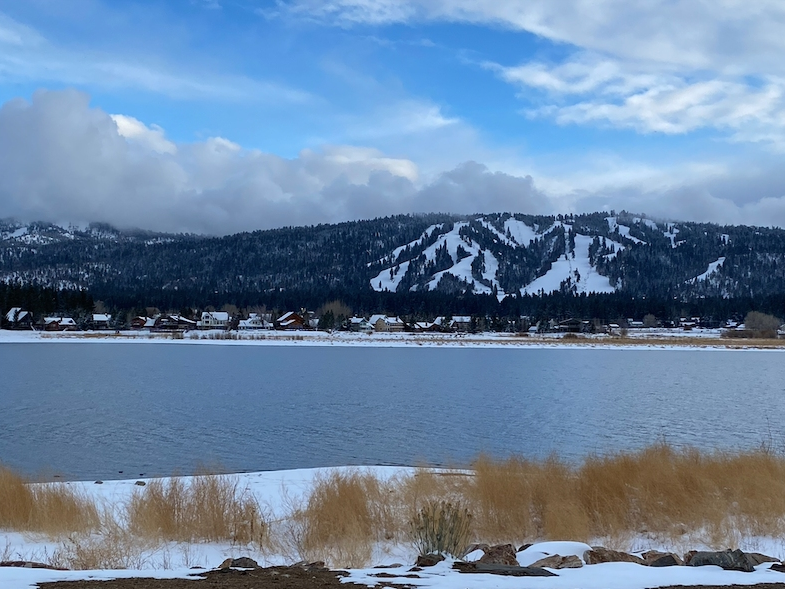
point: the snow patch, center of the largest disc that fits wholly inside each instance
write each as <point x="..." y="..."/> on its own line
<point x="713" y="267"/>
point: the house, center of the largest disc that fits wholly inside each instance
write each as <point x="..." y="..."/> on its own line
<point x="461" y="323"/>
<point x="214" y="320"/>
<point x="141" y="322"/>
<point x="359" y="324"/>
<point x="254" y="321"/>
<point x="291" y="321"/>
<point x="425" y="327"/>
<point x="385" y="323"/>
<point x="100" y="321"/>
<point x="571" y="325"/>
<point x="173" y="323"/>
<point x="59" y="324"/>
<point x="17" y="318"/>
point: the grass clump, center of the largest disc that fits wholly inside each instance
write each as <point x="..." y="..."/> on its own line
<point x="442" y="527"/>
<point x="344" y="515"/>
<point x="45" y="508"/>
<point x="209" y="508"/>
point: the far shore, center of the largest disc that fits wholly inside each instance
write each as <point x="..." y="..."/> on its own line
<point x="705" y="339"/>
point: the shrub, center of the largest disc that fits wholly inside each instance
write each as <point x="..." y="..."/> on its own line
<point x="442" y="528"/>
<point x="762" y="325"/>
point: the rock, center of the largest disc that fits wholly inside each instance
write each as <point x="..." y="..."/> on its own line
<point x="730" y="560"/>
<point x="241" y="563"/>
<point x="655" y="558"/>
<point x="599" y="554"/>
<point x="428" y="560"/>
<point x="757" y="558"/>
<point x="501" y="569"/>
<point x="99" y="482"/>
<point x="140" y="483"/>
<point x="688" y="556"/>
<point x="780" y="568"/>
<point x="524" y="546"/>
<point x="559" y="562"/>
<point x="395" y="565"/>
<point x="29" y="564"/>
<point x="500" y="554"/>
<point x="477" y="546"/>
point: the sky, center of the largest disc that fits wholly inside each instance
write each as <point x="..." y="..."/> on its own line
<point x="219" y="116"/>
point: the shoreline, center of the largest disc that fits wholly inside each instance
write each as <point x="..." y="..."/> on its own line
<point x="710" y="340"/>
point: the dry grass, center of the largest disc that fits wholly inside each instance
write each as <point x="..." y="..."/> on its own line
<point x="344" y="516"/>
<point x="50" y="508"/>
<point x="674" y="496"/>
<point x="202" y="508"/>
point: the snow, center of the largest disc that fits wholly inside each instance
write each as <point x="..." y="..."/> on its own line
<point x="520" y="231"/>
<point x="502" y="237"/>
<point x="713" y="267"/>
<point x="277" y="491"/>
<point x="541" y="550"/>
<point x="648" y="222"/>
<point x="566" y="266"/>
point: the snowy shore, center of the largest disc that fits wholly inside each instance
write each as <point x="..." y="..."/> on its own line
<point x="709" y="339"/>
<point x="276" y="490"/>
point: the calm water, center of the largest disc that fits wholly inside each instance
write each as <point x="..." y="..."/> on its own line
<point x="92" y="410"/>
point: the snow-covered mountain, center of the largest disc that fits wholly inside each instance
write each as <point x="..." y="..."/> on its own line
<point x="497" y="254"/>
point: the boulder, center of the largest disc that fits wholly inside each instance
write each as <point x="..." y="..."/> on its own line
<point x="599" y="554"/>
<point x="757" y="558"/>
<point x="241" y="563"/>
<point x="559" y="562"/>
<point x="777" y="567"/>
<point x="730" y="560"/>
<point x="501" y="569"/>
<point x="655" y="558"/>
<point x="429" y="560"/>
<point x="500" y="554"/>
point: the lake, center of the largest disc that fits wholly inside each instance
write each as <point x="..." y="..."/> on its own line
<point x="89" y="411"/>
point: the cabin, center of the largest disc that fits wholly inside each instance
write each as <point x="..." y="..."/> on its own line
<point x="171" y="323"/>
<point x="571" y="325"/>
<point x="387" y="324"/>
<point x="18" y="318"/>
<point x="291" y="321"/>
<point x="425" y="327"/>
<point x="141" y="322"/>
<point x="254" y="321"/>
<point x="214" y="320"/>
<point x="461" y="323"/>
<point x="100" y="321"/>
<point x="357" y="324"/>
<point x="59" y="324"/>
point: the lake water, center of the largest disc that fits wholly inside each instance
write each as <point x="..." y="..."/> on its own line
<point x="91" y="410"/>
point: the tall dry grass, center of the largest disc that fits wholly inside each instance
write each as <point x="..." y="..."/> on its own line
<point x="346" y="513"/>
<point x="209" y="508"/>
<point x="46" y="508"/>
<point x="676" y="496"/>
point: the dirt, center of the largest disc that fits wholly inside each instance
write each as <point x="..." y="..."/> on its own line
<point x="288" y="578"/>
<point x="262" y="578"/>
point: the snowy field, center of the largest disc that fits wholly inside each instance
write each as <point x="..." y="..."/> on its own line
<point x="277" y="490"/>
<point x="655" y="338"/>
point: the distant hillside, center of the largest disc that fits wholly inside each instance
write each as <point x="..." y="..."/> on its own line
<point x="497" y="254"/>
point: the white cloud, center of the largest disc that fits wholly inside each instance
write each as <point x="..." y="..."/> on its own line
<point x="61" y="160"/>
<point x="669" y="66"/>
<point x="149" y="137"/>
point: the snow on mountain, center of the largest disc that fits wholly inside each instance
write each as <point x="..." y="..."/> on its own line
<point x="476" y="253"/>
<point x="624" y="230"/>
<point x="574" y="267"/>
<point x="520" y="231"/>
<point x="713" y="267"/>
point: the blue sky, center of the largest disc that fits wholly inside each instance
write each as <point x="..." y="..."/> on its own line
<point x="226" y="115"/>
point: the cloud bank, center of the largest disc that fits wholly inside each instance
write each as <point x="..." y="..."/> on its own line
<point x="62" y="160"/>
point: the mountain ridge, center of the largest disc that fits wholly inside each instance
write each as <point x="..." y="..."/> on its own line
<point x="498" y="254"/>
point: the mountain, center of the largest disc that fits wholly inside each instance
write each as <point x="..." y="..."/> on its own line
<point x="492" y="254"/>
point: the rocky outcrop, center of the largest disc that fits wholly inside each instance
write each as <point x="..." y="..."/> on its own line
<point x="655" y="558"/>
<point x="241" y="563"/>
<point x="500" y="554"/>
<point x="428" y="560"/>
<point x="730" y="560"/>
<point x="559" y="562"/>
<point x="501" y="569"/>
<point x="599" y="554"/>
